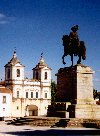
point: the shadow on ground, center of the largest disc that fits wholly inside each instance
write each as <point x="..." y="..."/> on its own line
<point x="54" y="132"/>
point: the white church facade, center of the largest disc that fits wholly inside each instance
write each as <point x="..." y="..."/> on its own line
<point x="25" y="97"/>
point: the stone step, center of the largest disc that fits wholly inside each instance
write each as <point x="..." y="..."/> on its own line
<point x="35" y="121"/>
<point x="74" y="124"/>
<point x="57" y="122"/>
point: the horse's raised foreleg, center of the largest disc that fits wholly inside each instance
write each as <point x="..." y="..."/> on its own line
<point x="63" y="59"/>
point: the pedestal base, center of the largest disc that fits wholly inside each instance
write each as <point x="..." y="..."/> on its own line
<point x="75" y="93"/>
<point x="58" y="109"/>
<point x="86" y="111"/>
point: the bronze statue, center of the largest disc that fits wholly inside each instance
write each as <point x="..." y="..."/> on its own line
<point x="72" y="46"/>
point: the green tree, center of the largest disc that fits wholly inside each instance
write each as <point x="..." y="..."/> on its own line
<point x="53" y="91"/>
<point x="95" y="94"/>
<point x="99" y="95"/>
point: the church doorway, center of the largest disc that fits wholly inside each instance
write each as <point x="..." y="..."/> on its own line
<point x="32" y="110"/>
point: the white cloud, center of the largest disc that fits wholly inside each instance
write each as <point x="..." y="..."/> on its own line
<point x="5" y="19"/>
<point x="2" y="16"/>
<point x="3" y="22"/>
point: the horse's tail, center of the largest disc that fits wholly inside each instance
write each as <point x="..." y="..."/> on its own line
<point x="83" y="49"/>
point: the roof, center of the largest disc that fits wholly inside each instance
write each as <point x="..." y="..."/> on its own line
<point x="14" y="60"/>
<point x="5" y="90"/>
<point x="2" y="83"/>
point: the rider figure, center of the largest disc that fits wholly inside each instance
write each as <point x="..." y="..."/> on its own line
<point x="73" y="38"/>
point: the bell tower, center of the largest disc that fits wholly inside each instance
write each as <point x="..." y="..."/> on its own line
<point x="14" y="72"/>
<point x="42" y="73"/>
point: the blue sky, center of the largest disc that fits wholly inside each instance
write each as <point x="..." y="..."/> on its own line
<point x="35" y="26"/>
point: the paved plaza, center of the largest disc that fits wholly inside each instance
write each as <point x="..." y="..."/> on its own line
<point x="26" y="130"/>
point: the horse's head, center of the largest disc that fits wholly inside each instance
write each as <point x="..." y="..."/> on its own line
<point x="65" y="40"/>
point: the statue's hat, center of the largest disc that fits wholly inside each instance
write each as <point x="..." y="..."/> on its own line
<point x="75" y="28"/>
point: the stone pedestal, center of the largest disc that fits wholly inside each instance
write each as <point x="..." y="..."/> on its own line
<point x="84" y="111"/>
<point x="75" y="85"/>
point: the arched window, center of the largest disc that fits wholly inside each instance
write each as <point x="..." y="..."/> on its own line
<point x="45" y="95"/>
<point x="36" y="94"/>
<point x="26" y="94"/>
<point x="45" y="75"/>
<point x="8" y="73"/>
<point x="18" y="72"/>
<point x="4" y="99"/>
<point x="37" y="75"/>
<point x="17" y="94"/>
<point x="31" y="94"/>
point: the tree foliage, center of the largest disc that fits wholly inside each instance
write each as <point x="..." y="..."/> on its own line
<point x="53" y="91"/>
<point x="96" y="94"/>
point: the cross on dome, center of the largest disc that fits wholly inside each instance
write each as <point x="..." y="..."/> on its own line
<point x="42" y="55"/>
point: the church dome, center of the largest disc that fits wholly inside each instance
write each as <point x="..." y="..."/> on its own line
<point x="14" y="60"/>
<point x="41" y="63"/>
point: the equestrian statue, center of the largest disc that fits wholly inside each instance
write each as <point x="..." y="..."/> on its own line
<point x="73" y="47"/>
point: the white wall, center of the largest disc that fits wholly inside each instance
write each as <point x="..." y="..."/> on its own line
<point x="5" y="108"/>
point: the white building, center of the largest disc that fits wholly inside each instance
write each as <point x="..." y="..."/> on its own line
<point x="29" y="97"/>
<point x="5" y="101"/>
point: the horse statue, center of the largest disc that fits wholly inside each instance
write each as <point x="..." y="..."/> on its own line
<point x="73" y="47"/>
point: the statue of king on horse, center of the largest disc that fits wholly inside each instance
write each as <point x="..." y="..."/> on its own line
<point x="73" y="47"/>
